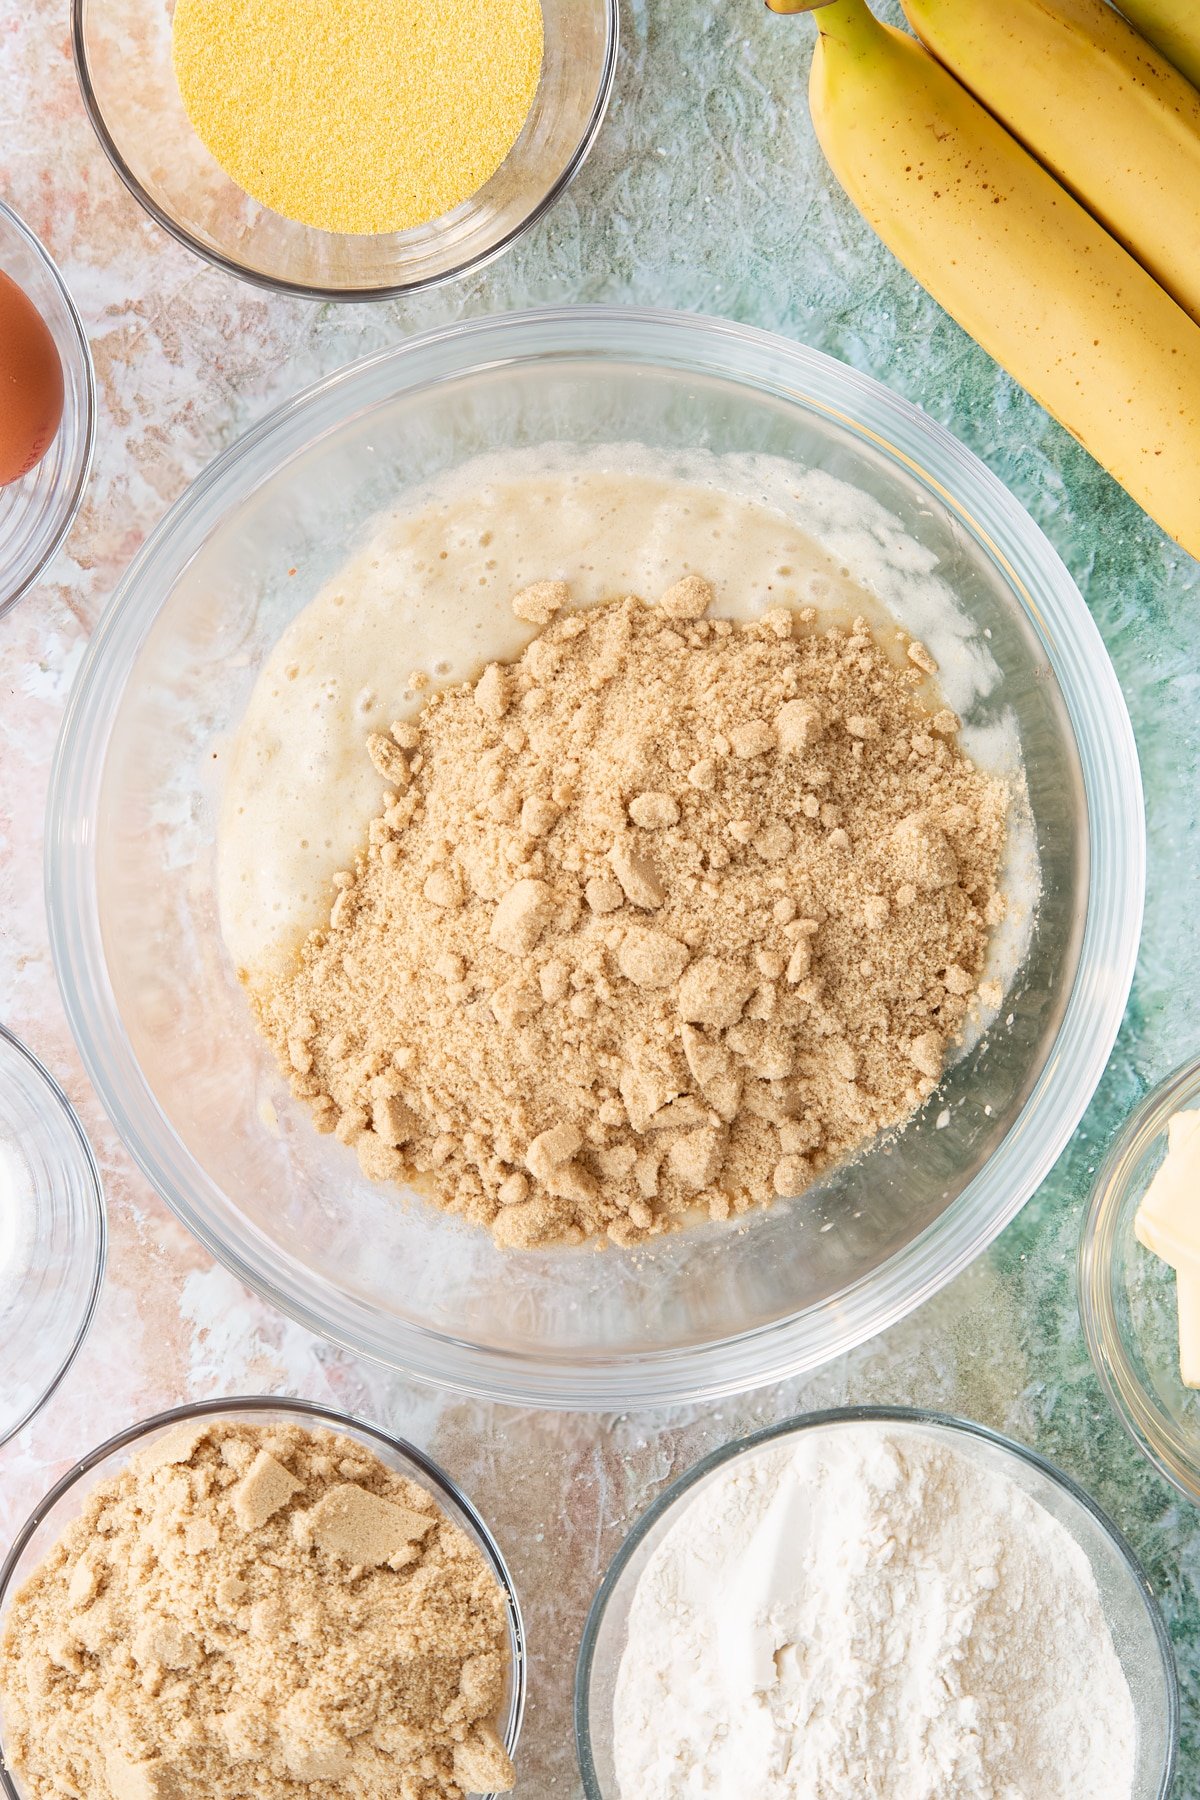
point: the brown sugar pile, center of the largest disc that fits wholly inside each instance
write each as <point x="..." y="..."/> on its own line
<point x="258" y="1611"/>
<point x="670" y="913"/>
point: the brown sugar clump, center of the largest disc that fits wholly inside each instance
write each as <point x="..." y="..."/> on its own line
<point x="668" y="915"/>
<point x="257" y="1611"/>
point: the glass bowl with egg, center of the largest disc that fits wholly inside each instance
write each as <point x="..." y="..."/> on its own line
<point x="905" y="515"/>
<point x="1129" y="1296"/>
<point x="35" y="1543"/>
<point x="710" y="1554"/>
<point x="39" y="502"/>
<point x="123" y="57"/>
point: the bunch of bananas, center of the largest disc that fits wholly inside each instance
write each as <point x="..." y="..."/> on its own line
<point x="1036" y="165"/>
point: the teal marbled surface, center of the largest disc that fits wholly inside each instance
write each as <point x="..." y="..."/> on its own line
<point x="706" y="192"/>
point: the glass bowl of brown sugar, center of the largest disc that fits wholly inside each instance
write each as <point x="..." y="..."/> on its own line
<point x="123" y="56"/>
<point x="233" y="1478"/>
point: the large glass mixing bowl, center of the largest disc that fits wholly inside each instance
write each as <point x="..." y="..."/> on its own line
<point x="165" y="1029"/>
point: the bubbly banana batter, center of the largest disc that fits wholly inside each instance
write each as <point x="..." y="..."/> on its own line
<point x="428" y="598"/>
<point x="407" y="629"/>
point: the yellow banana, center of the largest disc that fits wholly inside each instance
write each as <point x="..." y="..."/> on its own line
<point x="1014" y="259"/>
<point x="1174" y="26"/>
<point x="1103" y="110"/>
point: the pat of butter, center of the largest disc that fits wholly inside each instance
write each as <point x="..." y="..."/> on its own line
<point x="1168" y="1223"/>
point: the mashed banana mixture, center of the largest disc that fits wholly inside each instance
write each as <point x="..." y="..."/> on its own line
<point x="428" y="597"/>
<point x="668" y="914"/>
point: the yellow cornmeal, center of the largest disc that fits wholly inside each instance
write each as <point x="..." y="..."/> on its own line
<point x="358" y="116"/>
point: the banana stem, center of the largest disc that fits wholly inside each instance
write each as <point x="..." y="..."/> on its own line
<point x="848" y="19"/>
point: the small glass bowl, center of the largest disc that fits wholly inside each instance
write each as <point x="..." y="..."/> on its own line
<point x="1138" y="1632"/>
<point x="52" y="1235"/>
<point x="65" y="1501"/>
<point x="36" y="512"/>
<point x="1127" y="1294"/>
<point x="122" y="54"/>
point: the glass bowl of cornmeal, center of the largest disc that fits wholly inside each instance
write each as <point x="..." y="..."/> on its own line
<point x="1139" y="1277"/>
<point x="376" y="530"/>
<point x="343" y="152"/>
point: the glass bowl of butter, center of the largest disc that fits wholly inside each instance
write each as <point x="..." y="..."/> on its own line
<point x="1139" y="1277"/>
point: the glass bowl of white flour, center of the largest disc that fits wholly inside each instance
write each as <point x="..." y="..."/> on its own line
<point x="212" y="778"/>
<point x="876" y="1601"/>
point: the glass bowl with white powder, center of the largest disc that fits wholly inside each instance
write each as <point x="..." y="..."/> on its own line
<point x="876" y="1600"/>
<point x="378" y="526"/>
<point x="52" y="1235"/>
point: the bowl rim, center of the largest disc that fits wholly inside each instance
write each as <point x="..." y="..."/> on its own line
<point x="918" y="1416"/>
<point x="77" y="1141"/>
<point x="772" y="367"/>
<point x="84" y="469"/>
<point x="1155" y="1435"/>
<point x="303" y="290"/>
<point x="307" y="1412"/>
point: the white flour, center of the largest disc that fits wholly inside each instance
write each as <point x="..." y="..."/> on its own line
<point x="869" y="1613"/>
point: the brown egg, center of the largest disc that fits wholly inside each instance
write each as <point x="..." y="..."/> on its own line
<point x="31" y="384"/>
